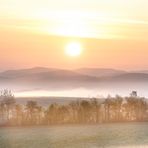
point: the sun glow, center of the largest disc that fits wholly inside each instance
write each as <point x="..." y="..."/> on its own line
<point x="73" y="49"/>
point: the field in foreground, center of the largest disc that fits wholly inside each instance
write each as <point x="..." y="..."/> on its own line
<point x="76" y="136"/>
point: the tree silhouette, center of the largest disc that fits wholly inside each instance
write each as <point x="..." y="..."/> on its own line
<point x="111" y="109"/>
<point x="8" y="101"/>
<point x="31" y="108"/>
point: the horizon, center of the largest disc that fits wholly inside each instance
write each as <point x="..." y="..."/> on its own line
<point x="72" y="84"/>
<point x="59" y="68"/>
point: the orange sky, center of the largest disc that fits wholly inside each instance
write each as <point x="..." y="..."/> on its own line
<point x="113" y="33"/>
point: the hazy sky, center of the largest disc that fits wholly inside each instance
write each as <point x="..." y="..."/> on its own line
<point x="113" y="33"/>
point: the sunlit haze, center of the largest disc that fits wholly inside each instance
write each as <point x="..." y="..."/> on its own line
<point x="70" y="35"/>
<point x="36" y="33"/>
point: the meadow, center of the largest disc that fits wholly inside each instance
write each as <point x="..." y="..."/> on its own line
<point x="117" y="135"/>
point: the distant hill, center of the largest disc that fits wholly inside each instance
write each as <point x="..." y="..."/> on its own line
<point x="95" y="79"/>
<point x="130" y="77"/>
<point x="44" y="78"/>
<point x="25" y="72"/>
<point x="140" y="71"/>
<point x="41" y="74"/>
<point x="100" y="72"/>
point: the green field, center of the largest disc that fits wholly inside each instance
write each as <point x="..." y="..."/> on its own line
<point x="76" y="136"/>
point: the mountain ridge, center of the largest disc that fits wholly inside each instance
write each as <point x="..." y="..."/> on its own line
<point x="40" y="78"/>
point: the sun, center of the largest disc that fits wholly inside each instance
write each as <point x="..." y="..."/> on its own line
<point x="73" y="49"/>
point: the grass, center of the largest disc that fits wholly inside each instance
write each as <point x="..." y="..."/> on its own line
<point x="78" y="136"/>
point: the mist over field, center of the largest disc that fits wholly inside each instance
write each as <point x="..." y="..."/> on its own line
<point x="84" y="82"/>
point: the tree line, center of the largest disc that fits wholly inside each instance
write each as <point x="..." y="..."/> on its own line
<point x="92" y="111"/>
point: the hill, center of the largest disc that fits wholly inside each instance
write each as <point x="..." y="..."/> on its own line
<point x="96" y="81"/>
